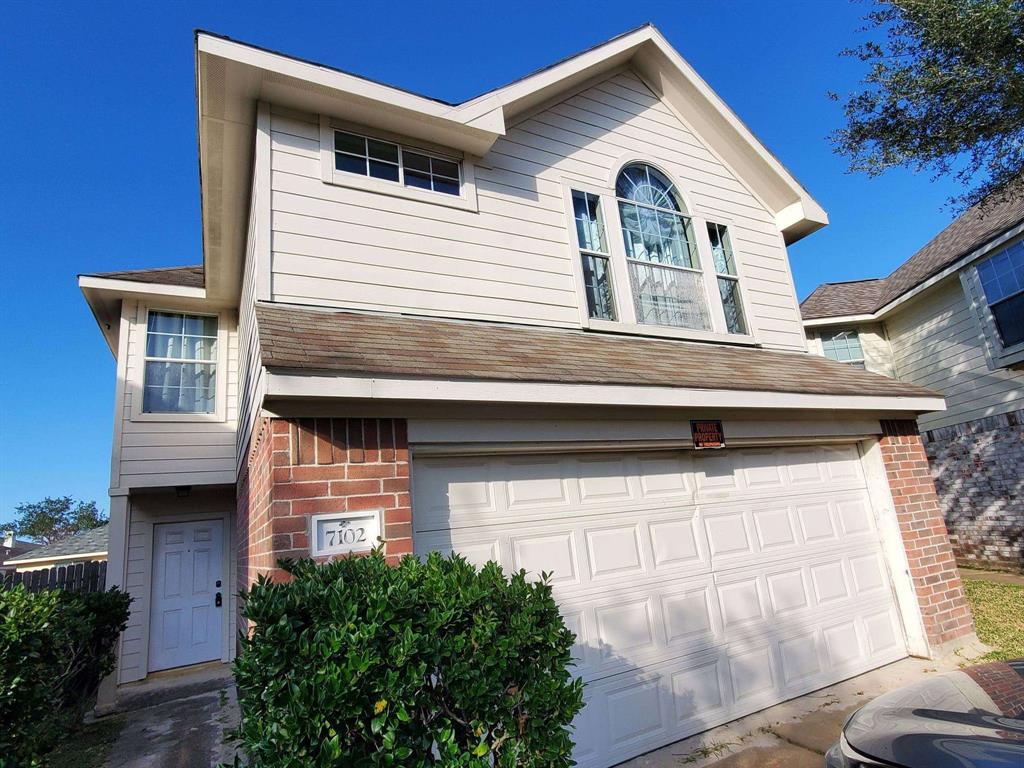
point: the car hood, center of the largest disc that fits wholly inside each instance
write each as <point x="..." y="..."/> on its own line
<point x="971" y="718"/>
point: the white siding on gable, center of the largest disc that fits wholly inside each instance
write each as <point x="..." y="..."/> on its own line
<point x="173" y="452"/>
<point x="512" y="260"/>
<point x="936" y="343"/>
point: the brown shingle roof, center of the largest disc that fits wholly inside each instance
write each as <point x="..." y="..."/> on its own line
<point x="320" y="342"/>
<point x="189" y="277"/>
<point x="970" y="231"/>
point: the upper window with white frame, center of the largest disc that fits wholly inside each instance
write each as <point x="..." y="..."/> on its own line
<point x="389" y="161"/>
<point x="594" y="254"/>
<point x="728" y="279"/>
<point x="1002" y="280"/>
<point x="661" y="250"/>
<point x="843" y="346"/>
<point x="180" y="373"/>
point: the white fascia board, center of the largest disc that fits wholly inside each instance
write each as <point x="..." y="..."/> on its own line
<point x="132" y="286"/>
<point x="56" y="558"/>
<point x="840" y="320"/>
<point x="366" y="388"/>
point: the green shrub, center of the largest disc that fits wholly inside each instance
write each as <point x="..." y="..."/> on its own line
<point x="356" y="663"/>
<point x="55" y="647"/>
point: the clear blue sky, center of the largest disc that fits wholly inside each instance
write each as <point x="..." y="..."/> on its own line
<point x="99" y="168"/>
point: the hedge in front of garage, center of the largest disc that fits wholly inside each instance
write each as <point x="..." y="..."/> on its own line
<point x="356" y="663"/>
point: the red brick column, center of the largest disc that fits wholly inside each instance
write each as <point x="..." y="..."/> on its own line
<point x="933" y="568"/>
<point x="303" y="467"/>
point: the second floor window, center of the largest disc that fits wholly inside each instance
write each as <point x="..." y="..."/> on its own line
<point x="661" y="251"/>
<point x="843" y="346"/>
<point x="1002" y="278"/>
<point x="728" y="281"/>
<point x="392" y="162"/>
<point x="593" y="243"/>
<point x="181" y="364"/>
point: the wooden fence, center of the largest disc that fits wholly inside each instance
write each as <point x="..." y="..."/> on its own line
<point x="80" y="577"/>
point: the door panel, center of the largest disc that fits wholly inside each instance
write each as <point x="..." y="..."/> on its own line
<point x="185" y="620"/>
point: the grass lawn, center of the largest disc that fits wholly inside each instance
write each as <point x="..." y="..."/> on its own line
<point x="998" y="617"/>
<point x="87" y="747"/>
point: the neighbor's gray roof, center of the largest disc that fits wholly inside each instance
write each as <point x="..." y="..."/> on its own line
<point x="189" y="277"/>
<point x="94" y="540"/>
<point x="969" y="232"/>
<point x="338" y="342"/>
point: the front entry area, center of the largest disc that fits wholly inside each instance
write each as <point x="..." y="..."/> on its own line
<point x="188" y="593"/>
<point x="701" y="586"/>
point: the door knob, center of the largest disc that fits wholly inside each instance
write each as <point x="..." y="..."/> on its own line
<point x="217" y="601"/>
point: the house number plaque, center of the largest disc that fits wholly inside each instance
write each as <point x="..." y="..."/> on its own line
<point x="344" y="533"/>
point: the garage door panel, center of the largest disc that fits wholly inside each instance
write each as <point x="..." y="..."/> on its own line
<point x="700" y="587"/>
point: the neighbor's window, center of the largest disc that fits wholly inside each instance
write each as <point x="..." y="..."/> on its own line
<point x="392" y="162"/>
<point x="181" y="364"/>
<point x="593" y="245"/>
<point x="843" y="346"/>
<point x="728" y="281"/>
<point x="661" y="251"/>
<point x="1002" y="278"/>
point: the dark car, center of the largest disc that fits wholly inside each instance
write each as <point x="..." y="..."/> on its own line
<point x="973" y="718"/>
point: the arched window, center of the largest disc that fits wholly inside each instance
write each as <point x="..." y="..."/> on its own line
<point x="664" y="269"/>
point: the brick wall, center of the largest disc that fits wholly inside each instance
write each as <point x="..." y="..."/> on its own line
<point x="303" y="467"/>
<point x="978" y="467"/>
<point x="933" y="568"/>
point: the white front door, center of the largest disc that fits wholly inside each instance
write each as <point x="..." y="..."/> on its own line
<point x="188" y="593"/>
<point x="701" y="587"/>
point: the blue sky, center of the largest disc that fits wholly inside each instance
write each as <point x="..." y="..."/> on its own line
<point x="100" y="169"/>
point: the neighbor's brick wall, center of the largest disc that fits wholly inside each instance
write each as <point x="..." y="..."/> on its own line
<point x="1002" y="683"/>
<point x="978" y="467"/>
<point x="303" y="467"/>
<point x="933" y="568"/>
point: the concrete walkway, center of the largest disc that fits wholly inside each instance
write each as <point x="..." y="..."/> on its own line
<point x="794" y="734"/>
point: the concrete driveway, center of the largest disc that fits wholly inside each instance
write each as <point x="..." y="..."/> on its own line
<point x="797" y="733"/>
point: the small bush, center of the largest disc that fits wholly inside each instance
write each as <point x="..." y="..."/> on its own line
<point x="55" y="648"/>
<point x="355" y="663"/>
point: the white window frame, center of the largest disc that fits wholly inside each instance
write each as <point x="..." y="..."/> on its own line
<point x="465" y="200"/>
<point x="621" y="284"/>
<point x="997" y="355"/>
<point x="862" y="359"/>
<point x="138" y="377"/>
<point x="729" y="225"/>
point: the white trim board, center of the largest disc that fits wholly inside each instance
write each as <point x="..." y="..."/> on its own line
<point x="385" y="388"/>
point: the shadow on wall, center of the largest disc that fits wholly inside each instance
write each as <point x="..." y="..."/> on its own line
<point x="687" y="614"/>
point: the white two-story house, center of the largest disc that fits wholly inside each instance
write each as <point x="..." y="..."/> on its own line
<point x="951" y="318"/>
<point x="553" y="326"/>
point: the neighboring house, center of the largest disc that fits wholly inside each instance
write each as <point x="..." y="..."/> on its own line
<point x="83" y="547"/>
<point x="12" y="546"/>
<point x="951" y="318"/>
<point x="504" y="327"/>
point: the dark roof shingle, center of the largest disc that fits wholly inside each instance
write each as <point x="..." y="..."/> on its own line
<point x="189" y="277"/>
<point x="93" y="540"/>
<point x="975" y="227"/>
<point x="338" y="342"/>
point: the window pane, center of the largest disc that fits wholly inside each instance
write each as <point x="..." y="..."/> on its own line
<point x="444" y="185"/>
<point x="163" y="345"/>
<point x="648" y="186"/>
<point x="668" y="296"/>
<point x="843" y="346"/>
<point x="200" y="325"/>
<point x="598" y="282"/>
<point x="1003" y="274"/>
<point x="417" y="179"/>
<point x="656" y="236"/>
<point x="179" y="388"/>
<point x="350" y="164"/>
<point x="349" y="142"/>
<point x="589" y="226"/>
<point x="382" y="150"/>
<point x="384" y="171"/>
<point x="1009" y="316"/>
<point x="416" y="161"/>
<point x="721" y="249"/>
<point x="200" y="348"/>
<point x="445" y="168"/>
<point x="730" y="291"/>
<point x="165" y="322"/>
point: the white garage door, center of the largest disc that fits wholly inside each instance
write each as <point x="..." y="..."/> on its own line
<point x="701" y="587"/>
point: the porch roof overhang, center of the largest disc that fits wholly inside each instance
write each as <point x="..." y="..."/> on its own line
<point x="329" y="354"/>
<point x="231" y="77"/>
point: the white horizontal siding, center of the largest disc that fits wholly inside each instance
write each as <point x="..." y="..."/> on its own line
<point x="171" y="453"/>
<point x="935" y="343"/>
<point x="511" y="260"/>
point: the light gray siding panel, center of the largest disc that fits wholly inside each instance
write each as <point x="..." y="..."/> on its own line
<point x="935" y="343"/>
<point x="512" y="259"/>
